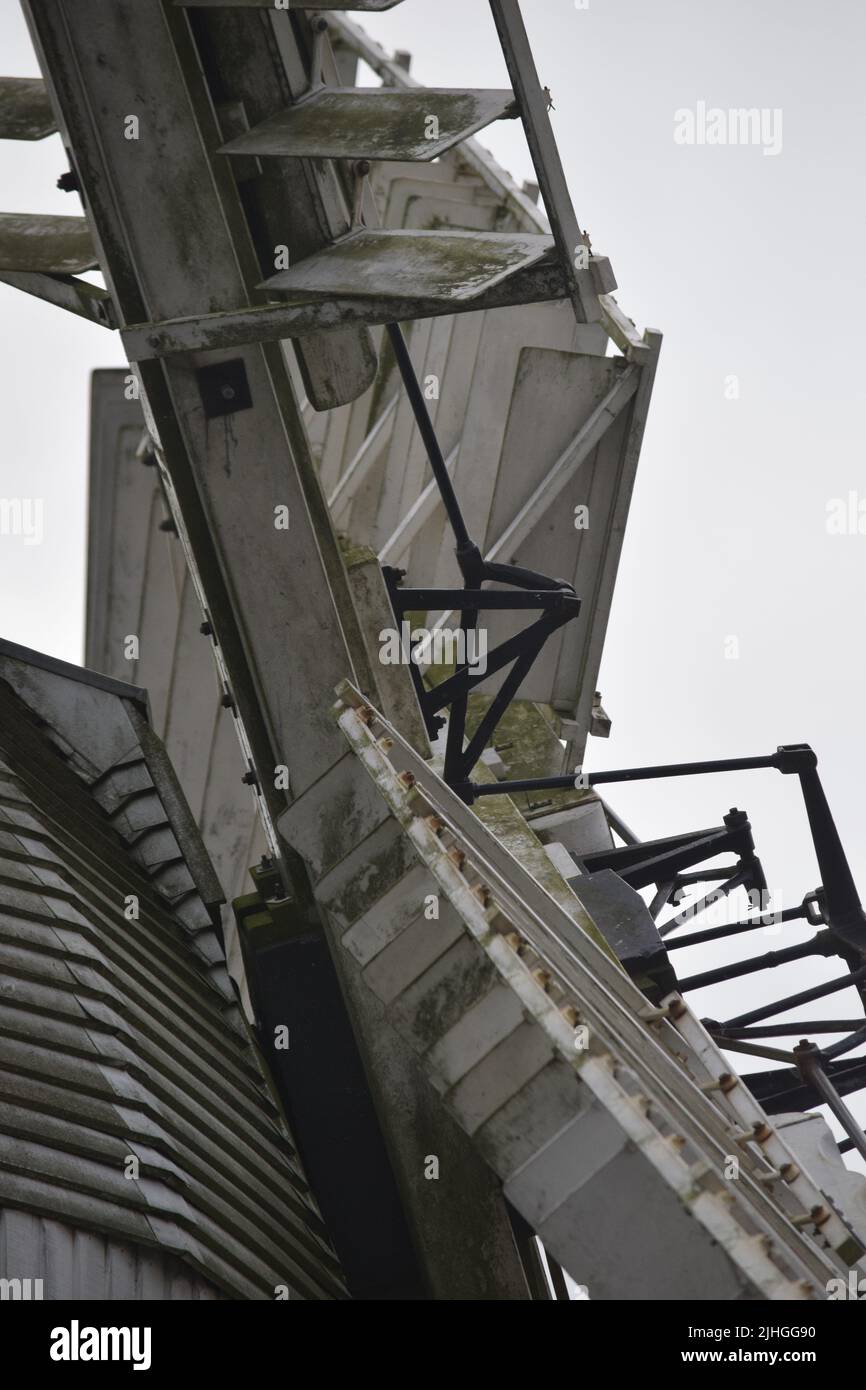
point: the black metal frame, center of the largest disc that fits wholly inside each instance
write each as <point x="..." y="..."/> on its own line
<point x="555" y="598"/>
<point x="836" y="904"/>
<point x="816" y="1076"/>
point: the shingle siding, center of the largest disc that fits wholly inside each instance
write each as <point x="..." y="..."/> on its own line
<point x="122" y="1039"/>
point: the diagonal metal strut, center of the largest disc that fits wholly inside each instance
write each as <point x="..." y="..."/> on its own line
<point x="556" y="600"/>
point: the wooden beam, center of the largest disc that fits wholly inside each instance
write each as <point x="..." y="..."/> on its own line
<point x="564" y="468"/>
<point x="545" y="156"/>
<point x="365" y="459"/>
<point x="271" y="322"/>
<point x="421" y="510"/>
<point x="67" y="292"/>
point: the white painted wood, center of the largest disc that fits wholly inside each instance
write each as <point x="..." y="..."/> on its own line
<point x="623" y="331"/>
<point x="377" y="510"/>
<point x="25" y="109"/>
<point x="421" y="510"/>
<point x="503" y="338"/>
<point x="605" y="578"/>
<point x="369" y="454"/>
<point x="532" y="509"/>
<point x="525" y="211"/>
<point x="545" y="155"/>
<point x="229" y="824"/>
<point x="369" y="123"/>
<point x="49" y="244"/>
<point x="422" y="266"/>
<point x="191" y="707"/>
<point x="158" y="609"/>
<point x="456" y="390"/>
<point x="440" y="362"/>
<point x="547" y="491"/>
<point x="121" y="492"/>
<point x="337" y="367"/>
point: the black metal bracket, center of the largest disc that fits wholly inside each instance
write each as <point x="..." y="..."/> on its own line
<point x="224" y="388"/>
<point x="839" y="897"/>
<point x="557" y="606"/>
<point x="662" y="861"/>
<point x="525" y="590"/>
<point x="817" y="1076"/>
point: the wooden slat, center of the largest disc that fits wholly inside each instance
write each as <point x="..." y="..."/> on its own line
<point x="545" y="155"/>
<point x="121" y="494"/>
<point x="526" y="215"/>
<point x="25" y="111"/>
<point x="443" y="266"/>
<point x="158" y="613"/>
<point x="456" y="390"/>
<point x="373" y="123"/>
<point x="365" y="460"/>
<point x="503" y="339"/>
<point x="191" y="708"/>
<point x="67" y="292"/>
<point x="52" y="245"/>
<point x="421" y="510"/>
<point x="298" y="204"/>
<point x="553" y="458"/>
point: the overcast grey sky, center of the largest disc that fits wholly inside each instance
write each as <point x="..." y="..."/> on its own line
<point x="751" y="265"/>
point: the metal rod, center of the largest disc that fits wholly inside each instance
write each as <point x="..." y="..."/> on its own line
<point x="774" y="1054"/>
<point x="661" y="899"/>
<point x="846" y="1044"/>
<point x="697" y="938"/>
<point x="506" y="693"/>
<point x="805" y="997"/>
<point x="637" y="774"/>
<point x="844" y="910"/>
<point x="783" y="1030"/>
<point x="629" y="774"/>
<point x="531" y="784"/>
<point x="728" y="886"/>
<point x="416" y="599"/>
<point x="618" y="825"/>
<point x="686" y="880"/>
<point x="503" y="655"/>
<point x="808" y="1059"/>
<point x="794" y="1093"/>
<point x="428" y="435"/>
<point x="768" y="961"/>
<point x="455" y="768"/>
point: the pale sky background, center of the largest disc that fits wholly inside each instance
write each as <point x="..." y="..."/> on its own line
<point x="751" y="266"/>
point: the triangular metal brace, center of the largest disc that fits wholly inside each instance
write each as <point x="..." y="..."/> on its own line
<point x="555" y="598"/>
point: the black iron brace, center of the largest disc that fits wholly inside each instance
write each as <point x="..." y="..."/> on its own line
<point x="556" y="600"/>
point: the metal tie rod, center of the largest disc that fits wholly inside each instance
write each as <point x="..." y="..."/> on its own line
<point x="792" y="1000"/>
<point x="809" y="1062"/>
